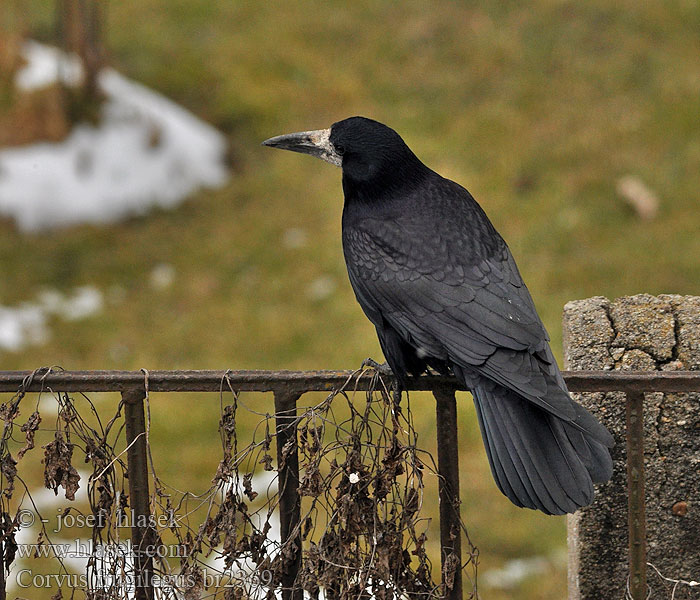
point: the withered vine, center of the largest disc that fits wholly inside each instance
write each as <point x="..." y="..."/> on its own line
<point x="363" y="532"/>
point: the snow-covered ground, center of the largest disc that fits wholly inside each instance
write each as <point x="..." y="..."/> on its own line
<point x="27" y="324"/>
<point x="147" y="151"/>
<point x="75" y="552"/>
<point x="517" y="570"/>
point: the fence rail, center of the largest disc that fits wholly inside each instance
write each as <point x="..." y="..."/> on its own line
<point x="288" y="386"/>
<point x="313" y="381"/>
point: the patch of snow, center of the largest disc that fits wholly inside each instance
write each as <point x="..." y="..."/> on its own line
<point x="45" y="66"/>
<point x="321" y="288"/>
<point x="46" y="505"/>
<point x="84" y="302"/>
<point x="245" y="571"/>
<point x="147" y="151"/>
<point x="22" y="326"/>
<point x="50" y="504"/>
<point x="513" y="572"/>
<point x="27" y="324"/>
<point x="162" y="276"/>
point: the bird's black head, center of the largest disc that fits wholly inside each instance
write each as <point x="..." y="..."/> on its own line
<point x="370" y="150"/>
<point x="370" y="153"/>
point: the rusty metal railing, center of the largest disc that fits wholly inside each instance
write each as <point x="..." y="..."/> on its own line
<point x="288" y="386"/>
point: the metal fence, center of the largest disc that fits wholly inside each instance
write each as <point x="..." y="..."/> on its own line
<point x="288" y="387"/>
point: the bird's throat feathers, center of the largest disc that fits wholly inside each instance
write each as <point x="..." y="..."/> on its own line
<point x="382" y="177"/>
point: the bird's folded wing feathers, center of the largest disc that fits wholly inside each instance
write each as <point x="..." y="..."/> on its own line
<point x="479" y="315"/>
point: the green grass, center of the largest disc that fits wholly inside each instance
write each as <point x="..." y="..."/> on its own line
<point x="536" y="108"/>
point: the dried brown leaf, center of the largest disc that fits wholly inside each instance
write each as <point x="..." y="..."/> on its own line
<point x="58" y="470"/>
<point x="29" y="429"/>
<point x="8" y="467"/>
<point x="248" y="487"/>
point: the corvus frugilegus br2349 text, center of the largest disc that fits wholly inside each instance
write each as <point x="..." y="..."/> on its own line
<point x="441" y="287"/>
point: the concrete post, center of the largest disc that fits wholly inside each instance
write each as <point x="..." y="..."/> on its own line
<point x="640" y="332"/>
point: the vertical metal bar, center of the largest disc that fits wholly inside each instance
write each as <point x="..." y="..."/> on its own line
<point x="3" y="591"/>
<point x="142" y="533"/>
<point x="448" y="470"/>
<point x="288" y="482"/>
<point x="635" y="489"/>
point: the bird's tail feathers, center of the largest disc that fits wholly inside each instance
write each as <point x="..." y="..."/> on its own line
<point x="538" y="460"/>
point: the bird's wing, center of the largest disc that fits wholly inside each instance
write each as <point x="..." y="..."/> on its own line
<point x="476" y="313"/>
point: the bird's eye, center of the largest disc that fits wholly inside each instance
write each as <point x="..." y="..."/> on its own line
<point x="340" y="149"/>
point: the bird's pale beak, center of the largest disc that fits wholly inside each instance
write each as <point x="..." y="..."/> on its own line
<point x="316" y="143"/>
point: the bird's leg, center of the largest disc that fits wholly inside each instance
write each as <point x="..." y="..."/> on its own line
<point x="385" y="370"/>
<point x="396" y="390"/>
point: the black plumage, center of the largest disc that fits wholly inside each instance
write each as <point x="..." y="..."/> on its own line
<point x="443" y="291"/>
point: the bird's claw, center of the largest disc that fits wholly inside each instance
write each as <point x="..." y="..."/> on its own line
<point x="382" y="369"/>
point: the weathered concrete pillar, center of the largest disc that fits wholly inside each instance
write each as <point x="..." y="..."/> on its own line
<point x="639" y="333"/>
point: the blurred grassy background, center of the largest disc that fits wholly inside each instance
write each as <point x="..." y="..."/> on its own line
<point x="538" y="109"/>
